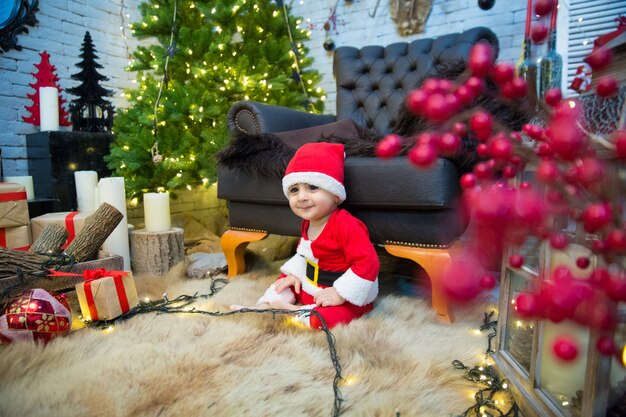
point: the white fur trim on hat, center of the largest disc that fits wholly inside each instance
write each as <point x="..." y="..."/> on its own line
<point x="317" y="179"/>
<point x="356" y="290"/>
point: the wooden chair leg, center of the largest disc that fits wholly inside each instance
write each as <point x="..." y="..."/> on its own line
<point x="434" y="261"/>
<point x="234" y="243"/>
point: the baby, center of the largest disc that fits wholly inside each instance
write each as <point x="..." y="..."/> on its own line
<point x="335" y="269"/>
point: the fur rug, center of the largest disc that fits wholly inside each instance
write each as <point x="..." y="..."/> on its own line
<point x="397" y="358"/>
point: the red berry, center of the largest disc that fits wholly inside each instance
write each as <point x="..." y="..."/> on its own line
<point x="616" y="240"/>
<point x="482" y="170"/>
<point x="519" y="86"/>
<point x="538" y="32"/>
<point x="553" y="96"/>
<point x="599" y="246"/>
<point x="476" y="85"/>
<point x="543" y="7"/>
<point x="503" y="72"/>
<point x="566" y="138"/>
<point x="459" y="128"/>
<point x="480" y="60"/>
<point x="481" y="121"/>
<point x="595" y="216"/>
<point x="547" y="171"/>
<point x="607" y="86"/>
<point x="488" y="282"/>
<point x="606" y="346"/>
<point x="615" y="288"/>
<point x="468" y="180"/>
<point x="544" y="150"/>
<point x="464" y="94"/>
<point x="582" y="262"/>
<point x="527" y="305"/>
<point x="619" y="139"/>
<point x="437" y="109"/>
<point x="389" y="146"/>
<point x="559" y="241"/>
<point x="565" y="348"/>
<point x="516" y="260"/>
<point x="599" y="277"/>
<point x="509" y="171"/>
<point x="416" y="102"/>
<point x="449" y="143"/>
<point x="427" y="138"/>
<point x="500" y="148"/>
<point x="423" y="155"/>
<point x="431" y="85"/>
<point x="589" y="171"/>
<point x="599" y="58"/>
<point x="534" y="131"/>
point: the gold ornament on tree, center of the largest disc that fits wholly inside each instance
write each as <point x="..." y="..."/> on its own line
<point x="410" y="15"/>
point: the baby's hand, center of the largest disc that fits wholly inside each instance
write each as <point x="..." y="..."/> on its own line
<point x="328" y="297"/>
<point x="286" y="282"/>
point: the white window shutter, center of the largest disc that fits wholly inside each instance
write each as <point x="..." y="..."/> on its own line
<point x="589" y="19"/>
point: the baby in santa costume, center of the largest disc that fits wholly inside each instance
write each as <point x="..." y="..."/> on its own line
<point x="335" y="268"/>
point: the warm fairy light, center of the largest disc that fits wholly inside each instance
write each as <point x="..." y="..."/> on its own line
<point x="155" y="18"/>
<point x="108" y="329"/>
<point x="179" y="175"/>
<point x="134" y="202"/>
<point x="572" y="104"/>
<point x="125" y="147"/>
<point x="161" y="189"/>
<point x="349" y="380"/>
<point x="205" y="180"/>
<point x="565" y="403"/>
<point x="218" y="29"/>
<point x="189" y="187"/>
<point x="505" y="385"/>
<point x="624" y="356"/>
<point x="519" y="323"/>
<point x="293" y="321"/>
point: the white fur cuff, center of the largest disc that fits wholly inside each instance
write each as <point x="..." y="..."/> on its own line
<point x="271" y="295"/>
<point x="356" y="290"/>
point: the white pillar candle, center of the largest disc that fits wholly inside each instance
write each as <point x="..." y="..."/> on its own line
<point x="86" y="183"/>
<point x="48" y="108"/>
<point x="111" y="191"/>
<point x="26" y="181"/>
<point x="156" y="210"/>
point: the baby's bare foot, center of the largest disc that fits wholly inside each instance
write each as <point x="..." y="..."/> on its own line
<point x="282" y="305"/>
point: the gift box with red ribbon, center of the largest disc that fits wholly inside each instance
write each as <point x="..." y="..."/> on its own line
<point x="13" y="205"/>
<point x="15" y="237"/>
<point x="73" y="221"/>
<point x="105" y="295"/>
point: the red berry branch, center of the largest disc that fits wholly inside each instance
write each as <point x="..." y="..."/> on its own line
<point x="577" y="181"/>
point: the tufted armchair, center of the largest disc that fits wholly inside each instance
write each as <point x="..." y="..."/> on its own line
<point x="413" y="213"/>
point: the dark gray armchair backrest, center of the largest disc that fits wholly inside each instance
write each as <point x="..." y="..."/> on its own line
<point x="373" y="82"/>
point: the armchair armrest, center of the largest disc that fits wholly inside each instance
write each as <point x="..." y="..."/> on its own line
<point x="254" y="118"/>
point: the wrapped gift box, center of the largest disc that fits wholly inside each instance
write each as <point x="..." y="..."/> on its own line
<point x="15" y="237"/>
<point x="108" y="297"/>
<point x="73" y="221"/>
<point x="13" y="205"/>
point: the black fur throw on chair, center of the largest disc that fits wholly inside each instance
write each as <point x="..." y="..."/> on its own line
<point x="267" y="154"/>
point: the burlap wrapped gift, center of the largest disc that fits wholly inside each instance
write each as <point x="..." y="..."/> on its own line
<point x="72" y="221"/>
<point x="13" y="205"/>
<point x="15" y="237"/>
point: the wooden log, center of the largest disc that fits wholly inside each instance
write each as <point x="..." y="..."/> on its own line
<point x="50" y="240"/>
<point x="13" y="260"/>
<point x="156" y="252"/>
<point x="97" y="229"/>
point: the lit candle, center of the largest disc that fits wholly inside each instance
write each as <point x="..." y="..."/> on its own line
<point x="86" y="183"/>
<point x="48" y="108"/>
<point x="156" y="209"/>
<point x="26" y="181"/>
<point x="111" y="191"/>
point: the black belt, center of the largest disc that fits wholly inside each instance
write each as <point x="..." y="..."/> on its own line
<point x="318" y="276"/>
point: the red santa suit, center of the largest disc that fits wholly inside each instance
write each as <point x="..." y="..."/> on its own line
<point x="342" y="256"/>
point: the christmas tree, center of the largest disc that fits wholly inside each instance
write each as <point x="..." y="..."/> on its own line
<point x="46" y="77"/>
<point x="208" y="56"/>
<point x="90" y="112"/>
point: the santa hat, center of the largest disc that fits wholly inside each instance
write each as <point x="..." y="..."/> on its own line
<point x="319" y="164"/>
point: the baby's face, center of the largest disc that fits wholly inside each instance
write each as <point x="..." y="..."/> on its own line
<point x="311" y="203"/>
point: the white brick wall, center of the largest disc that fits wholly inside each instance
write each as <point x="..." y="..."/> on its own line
<point x="356" y="28"/>
<point x="60" y="31"/>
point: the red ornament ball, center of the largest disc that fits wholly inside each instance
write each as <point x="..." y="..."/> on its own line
<point x="527" y="305"/>
<point x="36" y="315"/>
<point x="582" y="262"/>
<point x="488" y="282"/>
<point x="565" y="348"/>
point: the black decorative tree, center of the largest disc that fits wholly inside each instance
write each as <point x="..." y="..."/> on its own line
<point x="90" y="112"/>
